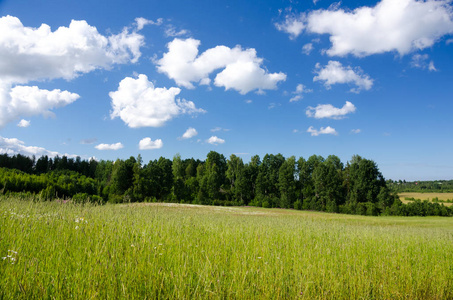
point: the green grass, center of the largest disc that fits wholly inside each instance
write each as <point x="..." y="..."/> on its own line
<point x="164" y="251"/>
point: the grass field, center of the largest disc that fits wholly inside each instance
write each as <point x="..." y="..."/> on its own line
<point x="426" y="196"/>
<point x="168" y="251"/>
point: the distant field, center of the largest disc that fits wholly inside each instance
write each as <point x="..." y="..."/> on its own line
<point x="170" y="251"/>
<point x="426" y="196"/>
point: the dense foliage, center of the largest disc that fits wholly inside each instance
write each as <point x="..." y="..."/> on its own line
<point x="315" y="183"/>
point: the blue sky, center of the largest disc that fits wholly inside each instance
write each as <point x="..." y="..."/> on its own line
<point x="112" y="79"/>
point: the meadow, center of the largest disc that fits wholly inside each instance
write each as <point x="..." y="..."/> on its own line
<point x="63" y="250"/>
<point x="426" y="196"/>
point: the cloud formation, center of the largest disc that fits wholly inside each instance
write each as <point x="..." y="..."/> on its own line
<point x="421" y="61"/>
<point x="142" y="22"/>
<point x="139" y="104"/>
<point x="329" y="111"/>
<point x="322" y="130"/>
<point x="307" y="48"/>
<point x="23" y="123"/>
<point x="116" y="146"/>
<point x="402" y="26"/>
<point x="293" y="24"/>
<point x="40" y="53"/>
<point x="34" y="54"/>
<point x="190" y="133"/>
<point x="214" y="140"/>
<point x="299" y="93"/>
<point x="14" y="146"/>
<point x="242" y="70"/>
<point x="148" y="144"/>
<point x="30" y="100"/>
<point x="334" y="72"/>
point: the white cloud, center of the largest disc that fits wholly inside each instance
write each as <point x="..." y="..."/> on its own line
<point x="322" y="130"/>
<point x="298" y="93"/>
<point x="329" y="111"/>
<point x="148" y="144"/>
<point x="30" y="100"/>
<point x="23" y="123"/>
<point x="39" y="53"/>
<point x="219" y="129"/>
<point x="334" y="73"/>
<point x="293" y="25"/>
<point x="170" y="31"/>
<point x="356" y="131"/>
<point x="139" y="104"/>
<point x="190" y="133"/>
<point x="242" y="69"/>
<point x="421" y="61"/>
<point x="214" y="140"/>
<point x="248" y="101"/>
<point x="392" y="25"/>
<point x="116" y="146"/>
<point x="142" y="22"/>
<point x="14" y="146"/>
<point x="307" y="48"/>
<point x="35" y="54"/>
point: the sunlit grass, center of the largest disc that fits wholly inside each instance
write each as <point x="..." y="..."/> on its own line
<point x="188" y="252"/>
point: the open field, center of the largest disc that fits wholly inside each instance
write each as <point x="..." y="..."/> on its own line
<point x="169" y="251"/>
<point x="426" y="196"/>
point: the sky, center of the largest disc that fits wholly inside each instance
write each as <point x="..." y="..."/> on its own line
<point x="114" y="79"/>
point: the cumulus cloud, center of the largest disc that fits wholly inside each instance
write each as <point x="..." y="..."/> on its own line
<point x="242" y="70"/>
<point x="139" y="104"/>
<point x="299" y="92"/>
<point x="402" y="26"/>
<point x="329" y="111"/>
<point x="30" y="100"/>
<point x="116" y="146"/>
<point x="293" y="25"/>
<point x="422" y="61"/>
<point x="12" y="146"/>
<point x="214" y="140"/>
<point x="23" y="123"/>
<point x="34" y="54"/>
<point x="40" y="53"/>
<point x="334" y="72"/>
<point x="190" y="133"/>
<point x="142" y="22"/>
<point x="322" y="130"/>
<point x="356" y="131"/>
<point x="148" y="144"/>
<point x="307" y="48"/>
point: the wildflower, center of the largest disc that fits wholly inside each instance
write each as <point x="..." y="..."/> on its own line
<point x="11" y="256"/>
<point x="132" y="245"/>
<point x="77" y="227"/>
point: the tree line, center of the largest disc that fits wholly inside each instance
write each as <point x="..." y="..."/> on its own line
<point x="433" y="186"/>
<point x="316" y="183"/>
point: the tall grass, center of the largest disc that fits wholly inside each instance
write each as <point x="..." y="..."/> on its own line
<point x="187" y="252"/>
